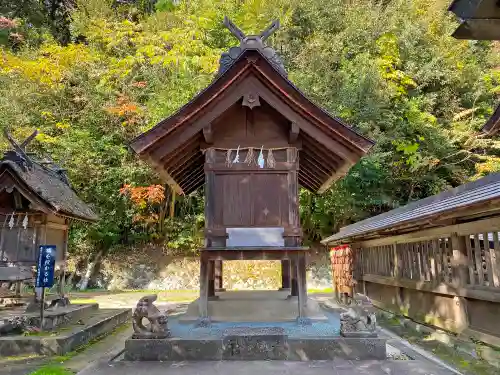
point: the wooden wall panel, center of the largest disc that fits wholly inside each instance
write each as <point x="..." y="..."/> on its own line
<point x="269" y="199"/>
<point x="254" y="200"/>
<point x="250" y="128"/>
<point x="235" y="199"/>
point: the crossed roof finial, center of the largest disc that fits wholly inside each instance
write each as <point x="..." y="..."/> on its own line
<point x="240" y="35"/>
<point x="251" y="42"/>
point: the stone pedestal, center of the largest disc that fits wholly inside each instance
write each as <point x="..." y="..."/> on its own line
<point x="254" y="344"/>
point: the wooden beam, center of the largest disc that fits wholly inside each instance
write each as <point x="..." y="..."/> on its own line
<point x="310" y="185"/>
<point x="478" y="226"/>
<point x="319" y="153"/>
<point x="189" y="187"/>
<point x="483" y="294"/>
<point x="321" y="137"/>
<point x="314" y="163"/>
<point x="57" y="226"/>
<point x="179" y="152"/>
<point x="208" y="133"/>
<point x="166" y="177"/>
<point x="28" y="140"/>
<point x="307" y="109"/>
<point x="196" y="159"/>
<point x="164" y="128"/>
<point x="311" y="176"/>
<point x="280" y="166"/>
<point x="306" y="185"/>
<point x="341" y="172"/>
<point x="194" y="172"/>
<point x="312" y="170"/>
<point x="179" y="136"/>
<point x="294" y="132"/>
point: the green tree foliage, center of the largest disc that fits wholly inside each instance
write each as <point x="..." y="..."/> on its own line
<point x="96" y="73"/>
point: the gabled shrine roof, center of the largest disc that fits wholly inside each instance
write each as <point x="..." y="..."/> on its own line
<point x="174" y="146"/>
<point x="46" y="187"/>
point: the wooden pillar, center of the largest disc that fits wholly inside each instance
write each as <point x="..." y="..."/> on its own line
<point x="459" y="262"/>
<point x="42" y="241"/>
<point x="302" y="284"/>
<point x="460" y="269"/>
<point x="218" y="276"/>
<point x="293" y="284"/>
<point x="203" y="301"/>
<point x="397" y="261"/>
<point x="62" y="281"/>
<point x="293" y="215"/>
<point x="285" y="274"/>
<point x="211" y="279"/>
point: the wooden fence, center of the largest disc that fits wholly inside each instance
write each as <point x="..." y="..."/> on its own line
<point x="447" y="276"/>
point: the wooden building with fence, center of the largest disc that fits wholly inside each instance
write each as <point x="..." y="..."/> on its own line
<point x="436" y="260"/>
<point x="37" y="205"/>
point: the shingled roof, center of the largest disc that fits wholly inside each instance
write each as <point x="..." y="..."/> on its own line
<point x="50" y="186"/>
<point x="424" y="212"/>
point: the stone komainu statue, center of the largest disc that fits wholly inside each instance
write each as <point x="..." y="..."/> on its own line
<point x="360" y="319"/>
<point x="157" y="327"/>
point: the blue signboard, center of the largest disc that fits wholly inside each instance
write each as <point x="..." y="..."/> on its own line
<point x="46" y="265"/>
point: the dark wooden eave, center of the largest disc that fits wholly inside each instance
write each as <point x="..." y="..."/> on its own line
<point x="480" y="19"/>
<point x="492" y="126"/>
<point x="174" y="146"/>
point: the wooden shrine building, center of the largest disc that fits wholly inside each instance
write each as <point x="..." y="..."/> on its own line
<point x="37" y="204"/>
<point x="251" y="138"/>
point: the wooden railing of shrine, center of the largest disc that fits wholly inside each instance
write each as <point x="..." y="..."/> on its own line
<point x="447" y="276"/>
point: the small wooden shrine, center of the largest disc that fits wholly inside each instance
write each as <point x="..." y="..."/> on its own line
<point x="251" y="138"/>
<point x="37" y="204"/>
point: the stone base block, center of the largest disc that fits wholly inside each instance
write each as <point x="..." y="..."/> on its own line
<point x="255" y="347"/>
<point x="359" y="334"/>
<point x="317" y="349"/>
<point x="173" y="349"/>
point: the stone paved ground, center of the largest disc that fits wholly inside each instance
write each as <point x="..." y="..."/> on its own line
<point x="95" y="360"/>
<point x="340" y="367"/>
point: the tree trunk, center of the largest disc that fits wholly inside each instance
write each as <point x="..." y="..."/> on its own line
<point x="88" y="273"/>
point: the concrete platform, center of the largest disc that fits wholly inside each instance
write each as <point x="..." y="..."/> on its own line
<point x="254" y="306"/>
<point x="66" y="337"/>
<point x="53" y="317"/>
